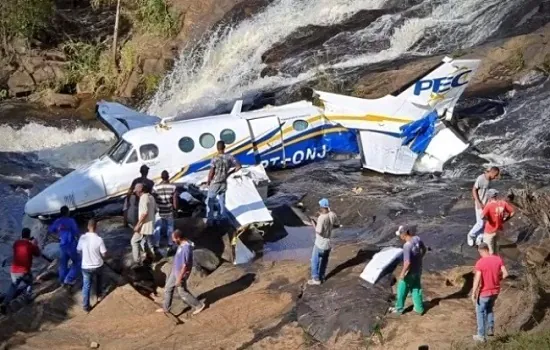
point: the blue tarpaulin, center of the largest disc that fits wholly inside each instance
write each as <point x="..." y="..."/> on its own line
<point x="418" y="134"/>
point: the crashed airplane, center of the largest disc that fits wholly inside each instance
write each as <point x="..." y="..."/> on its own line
<point x="398" y="134"/>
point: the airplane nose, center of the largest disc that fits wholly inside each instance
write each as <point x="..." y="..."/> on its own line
<point x="76" y="190"/>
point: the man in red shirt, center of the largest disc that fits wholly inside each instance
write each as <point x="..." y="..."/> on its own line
<point x="489" y="271"/>
<point x="23" y="251"/>
<point x="495" y="213"/>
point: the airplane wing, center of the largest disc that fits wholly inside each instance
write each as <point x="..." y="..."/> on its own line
<point x="406" y="130"/>
<point x="120" y="119"/>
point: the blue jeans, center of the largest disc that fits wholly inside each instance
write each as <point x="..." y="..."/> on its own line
<point x="87" y="277"/>
<point x="477" y="229"/>
<point x="485" y="316"/>
<point x="66" y="275"/>
<point x="166" y="226"/>
<point x="216" y="195"/>
<point x="183" y="291"/>
<point x="319" y="262"/>
<point x="16" y="280"/>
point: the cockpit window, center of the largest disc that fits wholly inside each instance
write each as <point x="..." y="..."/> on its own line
<point x="132" y="158"/>
<point x="119" y="151"/>
<point x="149" y="152"/>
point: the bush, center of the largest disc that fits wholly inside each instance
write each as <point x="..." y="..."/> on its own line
<point x="155" y="16"/>
<point x="83" y="60"/>
<point x="24" y="18"/>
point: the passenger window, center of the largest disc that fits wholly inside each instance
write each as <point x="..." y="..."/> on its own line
<point x="300" y="125"/>
<point x="207" y="140"/>
<point x="186" y="144"/>
<point x="132" y="158"/>
<point x="227" y="136"/>
<point x="148" y="152"/>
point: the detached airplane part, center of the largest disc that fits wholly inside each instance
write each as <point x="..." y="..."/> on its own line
<point x="400" y="133"/>
<point x="379" y="263"/>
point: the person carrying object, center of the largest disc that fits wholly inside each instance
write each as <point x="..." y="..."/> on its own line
<point x="143" y="231"/>
<point x="326" y="221"/>
<point x="181" y="270"/>
<point x="167" y="201"/>
<point x="93" y="251"/>
<point x="495" y="213"/>
<point x="479" y="193"/>
<point x="24" y="250"/>
<point x="220" y="170"/>
<point x="409" y="279"/>
<point x="132" y="199"/>
<point x="67" y="230"/>
<point x="489" y="272"/>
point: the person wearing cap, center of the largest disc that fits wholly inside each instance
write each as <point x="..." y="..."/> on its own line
<point x="495" y="213"/>
<point x="479" y="193"/>
<point x="489" y="272"/>
<point x="326" y="221"/>
<point x="131" y="200"/>
<point x="409" y="279"/>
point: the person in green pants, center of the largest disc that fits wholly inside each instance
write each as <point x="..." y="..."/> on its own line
<point x="410" y="276"/>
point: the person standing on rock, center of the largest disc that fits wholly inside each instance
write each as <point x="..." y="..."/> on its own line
<point x="67" y="230"/>
<point x="131" y="201"/>
<point x="410" y="277"/>
<point x="143" y="231"/>
<point x="93" y="251"/>
<point x="181" y="270"/>
<point x="167" y="202"/>
<point x="479" y="193"/>
<point x="220" y="170"/>
<point x="489" y="272"/>
<point x="24" y="250"/>
<point x="495" y="213"/>
<point x="326" y="221"/>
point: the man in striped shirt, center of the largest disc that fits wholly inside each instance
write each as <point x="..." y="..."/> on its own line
<point x="167" y="200"/>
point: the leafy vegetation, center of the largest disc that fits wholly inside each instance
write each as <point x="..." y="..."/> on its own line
<point x="154" y="16"/>
<point x="151" y="83"/>
<point x="83" y="60"/>
<point x="24" y="18"/>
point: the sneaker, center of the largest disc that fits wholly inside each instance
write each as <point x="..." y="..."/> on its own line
<point x="470" y="240"/>
<point x="87" y="309"/>
<point x="490" y="333"/>
<point x="313" y="282"/>
<point x="479" y="239"/>
<point x="479" y="339"/>
<point x="199" y="309"/>
<point x="393" y="310"/>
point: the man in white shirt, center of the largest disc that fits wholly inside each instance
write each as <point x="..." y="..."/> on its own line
<point x="143" y="231"/>
<point x="93" y="250"/>
<point x="326" y="221"/>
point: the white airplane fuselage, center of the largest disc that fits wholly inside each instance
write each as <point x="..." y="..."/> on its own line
<point x="275" y="137"/>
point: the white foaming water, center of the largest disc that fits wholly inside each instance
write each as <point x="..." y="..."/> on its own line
<point x="228" y="64"/>
<point x="54" y="146"/>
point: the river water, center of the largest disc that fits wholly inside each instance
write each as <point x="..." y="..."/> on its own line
<point x="228" y="64"/>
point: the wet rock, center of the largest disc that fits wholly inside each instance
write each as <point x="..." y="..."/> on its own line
<point x="206" y="259"/>
<point x="21" y="83"/>
<point x="51" y="251"/>
<point x="152" y="66"/>
<point x="50" y="98"/>
<point x="530" y="79"/>
<point x="537" y="256"/>
<point x="344" y="304"/>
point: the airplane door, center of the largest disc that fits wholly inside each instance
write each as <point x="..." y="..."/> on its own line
<point x="266" y="134"/>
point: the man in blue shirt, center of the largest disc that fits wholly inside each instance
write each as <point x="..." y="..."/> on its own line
<point x="67" y="230"/>
<point x="181" y="270"/>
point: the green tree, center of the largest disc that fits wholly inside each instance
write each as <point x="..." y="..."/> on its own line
<point x="24" y="18"/>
